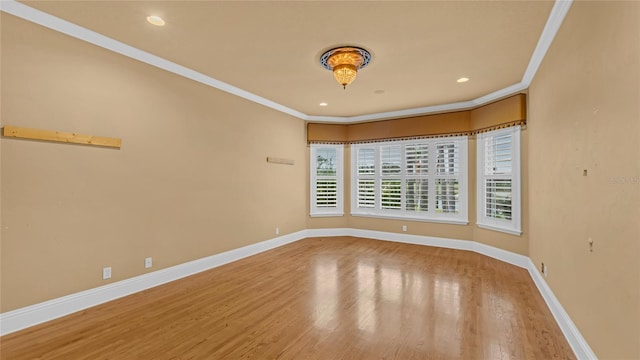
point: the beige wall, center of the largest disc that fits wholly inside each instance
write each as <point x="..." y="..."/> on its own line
<point x="191" y="179"/>
<point x="584" y="114"/>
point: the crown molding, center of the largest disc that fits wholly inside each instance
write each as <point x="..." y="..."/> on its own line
<point x="394" y="114"/>
<point x="556" y="17"/>
<point x="54" y="23"/>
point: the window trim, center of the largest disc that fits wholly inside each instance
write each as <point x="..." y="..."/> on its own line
<point x="462" y="218"/>
<point x="514" y="226"/>
<point x="315" y="211"/>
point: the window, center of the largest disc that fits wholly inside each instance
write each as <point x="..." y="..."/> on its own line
<point x="413" y="179"/>
<point x="326" y="180"/>
<point x="499" y="180"/>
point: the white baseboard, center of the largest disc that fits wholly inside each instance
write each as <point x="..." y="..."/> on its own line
<point x="328" y="232"/>
<point x="579" y="345"/>
<point x="35" y="314"/>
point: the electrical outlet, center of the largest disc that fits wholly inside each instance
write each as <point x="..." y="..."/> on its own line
<point x="148" y="262"/>
<point x="404" y="227"/>
<point x="277" y="231"/>
<point x="106" y="273"/>
<point x="544" y="270"/>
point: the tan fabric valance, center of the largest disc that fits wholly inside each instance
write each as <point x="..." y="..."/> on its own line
<point x="507" y="112"/>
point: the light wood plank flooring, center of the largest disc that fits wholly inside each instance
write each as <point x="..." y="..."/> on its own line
<point x="319" y="298"/>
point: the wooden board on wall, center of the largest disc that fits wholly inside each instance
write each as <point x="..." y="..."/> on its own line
<point x="59" y="136"/>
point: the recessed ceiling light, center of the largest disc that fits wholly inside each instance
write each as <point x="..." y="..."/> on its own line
<point x="462" y="79"/>
<point x="155" y="20"/>
<point x="323" y="104"/>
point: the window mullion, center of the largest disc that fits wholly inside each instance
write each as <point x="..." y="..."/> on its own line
<point x="432" y="178"/>
<point x="378" y="181"/>
<point x="403" y="172"/>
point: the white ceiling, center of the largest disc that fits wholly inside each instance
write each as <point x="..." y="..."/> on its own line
<point x="268" y="51"/>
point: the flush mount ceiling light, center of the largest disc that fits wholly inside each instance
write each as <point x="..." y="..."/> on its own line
<point x="155" y="20"/>
<point x="344" y="62"/>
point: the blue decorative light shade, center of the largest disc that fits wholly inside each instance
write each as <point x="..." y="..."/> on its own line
<point x="345" y="62"/>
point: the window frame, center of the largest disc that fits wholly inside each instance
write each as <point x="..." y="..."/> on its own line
<point x="461" y="217"/>
<point x="314" y="210"/>
<point x="513" y="226"/>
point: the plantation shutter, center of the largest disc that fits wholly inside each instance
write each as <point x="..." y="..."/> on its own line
<point x="447" y="177"/>
<point x="417" y="177"/>
<point x="499" y="180"/>
<point x="326" y="180"/>
<point x="366" y="191"/>
<point x="420" y="179"/>
<point x="391" y="184"/>
<point x="498" y="154"/>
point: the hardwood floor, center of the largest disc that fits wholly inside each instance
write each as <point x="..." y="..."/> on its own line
<point x="319" y="298"/>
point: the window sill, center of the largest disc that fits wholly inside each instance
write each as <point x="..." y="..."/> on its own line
<point x="327" y="214"/>
<point x="420" y="219"/>
<point x="499" y="228"/>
